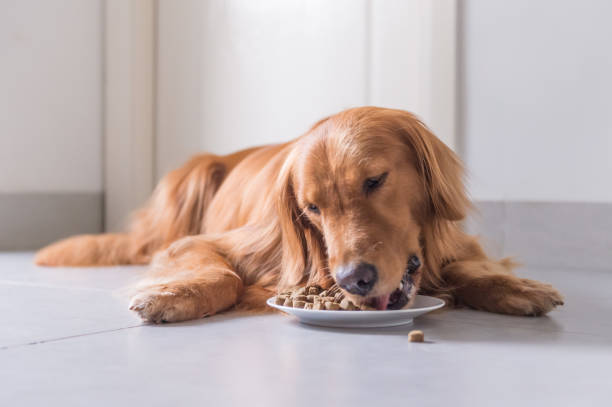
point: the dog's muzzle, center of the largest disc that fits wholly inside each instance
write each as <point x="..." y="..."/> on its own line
<point x="401" y="295"/>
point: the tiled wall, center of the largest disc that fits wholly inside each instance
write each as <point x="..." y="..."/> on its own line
<point x="50" y="120"/>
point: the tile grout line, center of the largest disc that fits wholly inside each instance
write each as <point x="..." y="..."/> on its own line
<point x="42" y="341"/>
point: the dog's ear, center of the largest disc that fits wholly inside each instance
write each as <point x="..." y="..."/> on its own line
<point x="303" y="249"/>
<point x="440" y="169"/>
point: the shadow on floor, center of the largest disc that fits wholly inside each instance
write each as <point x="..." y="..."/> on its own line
<point x="443" y="327"/>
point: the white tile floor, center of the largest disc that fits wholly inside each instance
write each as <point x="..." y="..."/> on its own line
<point x="67" y="339"/>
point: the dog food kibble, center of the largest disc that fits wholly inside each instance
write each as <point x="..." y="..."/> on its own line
<point x="347" y="305"/>
<point x="318" y="305"/>
<point x="314" y="290"/>
<point x="416" y="336"/>
<point x="313" y="297"/>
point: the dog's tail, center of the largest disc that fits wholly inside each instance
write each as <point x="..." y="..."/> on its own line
<point x="91" y="250"/>
<point x="175" y="210"/>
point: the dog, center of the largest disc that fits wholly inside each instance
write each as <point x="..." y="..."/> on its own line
<point x="368" y="199"/>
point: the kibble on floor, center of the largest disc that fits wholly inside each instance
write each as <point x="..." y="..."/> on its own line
<point x="416" y="336"/>
<point x="67" y="324"/>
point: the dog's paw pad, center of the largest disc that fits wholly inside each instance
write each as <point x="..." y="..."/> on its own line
<point x="159" y="304"/>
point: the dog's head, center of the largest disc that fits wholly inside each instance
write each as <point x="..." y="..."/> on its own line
<point x="357" y="195"/>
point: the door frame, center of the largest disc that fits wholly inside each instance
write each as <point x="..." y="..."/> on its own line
<point x="131" y="78"/>
<point x="129" y="107"/>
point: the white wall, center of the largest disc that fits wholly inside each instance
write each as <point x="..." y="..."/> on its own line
<point x="50" y="96"/>
<point x="537" y="99"/>
<point x="238" y="73"/>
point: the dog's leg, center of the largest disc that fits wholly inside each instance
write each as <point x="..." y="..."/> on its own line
<point x="489" y="285"/>
<point x="189" y="280"/>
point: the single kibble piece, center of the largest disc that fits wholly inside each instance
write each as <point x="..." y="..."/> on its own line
<point x="308" y="306"/>
<point x="332" y="306"/>
<point x="298" y="304"/>
<point x="318" y="306"/>
<point x="313" y="290"/>
<point x="279" y="300"/>
<point x="299" y="297"/>
<point x="347" y="304"/>
<point x="288" y="302"/>
<point x="416" y="336"/>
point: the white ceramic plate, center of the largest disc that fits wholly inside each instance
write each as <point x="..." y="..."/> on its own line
<point x="363" y="319"/>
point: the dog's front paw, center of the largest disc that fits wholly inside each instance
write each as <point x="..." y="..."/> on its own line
<point x="531" y="298"/>
<point x="159" y="304"/>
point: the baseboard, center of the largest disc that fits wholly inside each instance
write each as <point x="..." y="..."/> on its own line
<point x="546" y="234"/>
<point x="29" y="221"/>
<point x="542" y="234"/>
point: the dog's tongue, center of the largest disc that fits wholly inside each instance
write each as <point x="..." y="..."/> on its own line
<point x="382" y="301"/>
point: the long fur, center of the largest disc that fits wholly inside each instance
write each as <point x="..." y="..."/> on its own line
<point x="229" y="231"/>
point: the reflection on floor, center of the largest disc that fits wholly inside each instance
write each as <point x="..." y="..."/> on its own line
<point x="67" y="338"/>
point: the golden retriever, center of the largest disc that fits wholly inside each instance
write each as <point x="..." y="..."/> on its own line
<point x="368" y="198"/>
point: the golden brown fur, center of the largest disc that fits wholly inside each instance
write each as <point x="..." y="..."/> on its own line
<point x="232" y="230"/>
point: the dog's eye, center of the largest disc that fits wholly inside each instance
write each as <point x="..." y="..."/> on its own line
<point x="313" y="208"/>
<point x="372" y="184"/>
<point x="413" y="264"/>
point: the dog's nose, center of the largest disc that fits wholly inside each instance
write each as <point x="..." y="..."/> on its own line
<point x="357" y="278"/>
